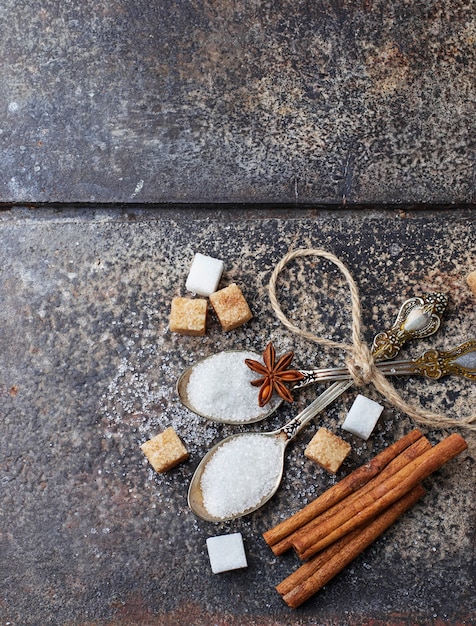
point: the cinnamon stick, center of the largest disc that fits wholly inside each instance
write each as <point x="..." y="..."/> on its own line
<point x="384" y="494"/>
<point x="308" y="568"/>
<point x="312" y="576"/>
<point x="355" y="480"/>
<point x="416" y="449"/>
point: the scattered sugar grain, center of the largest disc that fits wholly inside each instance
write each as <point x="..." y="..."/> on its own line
<point x="220" y="387"/>
<point x="226" y="552"/>
<point x="240" y="474"/>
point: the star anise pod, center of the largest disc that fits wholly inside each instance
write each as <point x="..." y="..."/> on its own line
<point x="273" y="375"/>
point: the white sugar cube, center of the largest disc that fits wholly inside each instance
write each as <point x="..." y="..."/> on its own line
<point x="204" y="275"/>
<point x="362" y="417"/>
<point x="226" y="552"/>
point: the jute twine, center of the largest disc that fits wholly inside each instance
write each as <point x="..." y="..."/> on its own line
<point x="359" y="360"/>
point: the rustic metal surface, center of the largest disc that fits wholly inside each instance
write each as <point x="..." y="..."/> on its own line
<point x="89" y="534"/>
<point x="199" y="101"/>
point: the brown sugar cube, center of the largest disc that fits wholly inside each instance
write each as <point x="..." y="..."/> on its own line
<point x="165" y="450"/>
<point x="327" y="450"/>
<point x="471" y="280"/>
<point x="231" y="307"/>
<point x="188" y="316"/>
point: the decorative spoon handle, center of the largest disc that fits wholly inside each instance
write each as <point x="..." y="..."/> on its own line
<point x="432" y="364"/>
<point x="437" y="363"/>
<point x="417" y="318"/>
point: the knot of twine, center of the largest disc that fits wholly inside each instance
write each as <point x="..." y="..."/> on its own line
<point x="359" y="361"/>
<point x="361" y="366"/>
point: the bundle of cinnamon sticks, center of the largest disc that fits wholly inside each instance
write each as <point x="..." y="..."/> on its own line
<point x="335" y="528"/>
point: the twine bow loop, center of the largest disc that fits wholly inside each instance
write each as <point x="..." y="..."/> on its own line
<point x="359" y="360"/>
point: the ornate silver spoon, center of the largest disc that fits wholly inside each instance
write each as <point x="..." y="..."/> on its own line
<point x="434" y="364"/>
<point x="232" y="399"/>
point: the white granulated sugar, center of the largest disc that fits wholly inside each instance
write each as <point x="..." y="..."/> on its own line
<point x="220" y="388"/>
<point x="204" y="275"/>
<point x="362" y="417"/>
<point x="129" y="392"/>
<point x="241" y="473"/>
<point x="226" y="552"/>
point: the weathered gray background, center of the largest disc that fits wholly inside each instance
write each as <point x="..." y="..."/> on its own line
<point x="238" y="101"/>
<point x="313" y="107"/>
<point x="89" y="534"/>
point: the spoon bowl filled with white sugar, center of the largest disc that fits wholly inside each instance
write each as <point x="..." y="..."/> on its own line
<point x="237" y="476"/>
<point x="219" y="388"/>
<point x="243" y="471"/>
